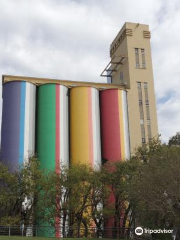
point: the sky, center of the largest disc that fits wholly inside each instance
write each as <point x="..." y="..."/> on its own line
<point x="70" y="39"/>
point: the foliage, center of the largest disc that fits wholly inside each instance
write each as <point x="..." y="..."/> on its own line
<point x="9" y="197"/>
<point x="145" y="188"/>
<point x="21" y="192"/>
<point x="175" y="140"/>
<point x="155" y="190"/>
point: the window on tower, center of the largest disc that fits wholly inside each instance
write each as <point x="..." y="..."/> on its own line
<point x="140" y="58"/>
<point x="143" y="58"/>
<point x="148" y="118"/>
<point x="137" y="57"/>
<point x="141" y="112"/>
<point x="121" y="77"/>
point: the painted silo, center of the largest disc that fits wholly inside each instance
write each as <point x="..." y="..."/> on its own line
<point x="114" y="135"/>
<point x="18" y="123"/>
<point x="114" y="125"/>
<point x="52" y="133"/>
<point x="52" y="126"/>
<point x="85" y="144"/>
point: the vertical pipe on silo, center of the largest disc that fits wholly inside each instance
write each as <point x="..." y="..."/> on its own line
<point x="18" y="123"/>
<point x="85" y="144"/>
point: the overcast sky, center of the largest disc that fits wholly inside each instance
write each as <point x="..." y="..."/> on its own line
<point x="70" y="39"/>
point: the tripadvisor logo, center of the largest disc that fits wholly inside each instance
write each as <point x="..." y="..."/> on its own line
<point x="138" y="231"/>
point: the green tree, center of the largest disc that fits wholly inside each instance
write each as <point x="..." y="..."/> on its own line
<point x="100" y="192"/>
<point x="120" y="175"/>
<point x="10" y="202"/>
<point x="69" y="198"/>
<point x="21" y="193"/>
<point x="175" y="140"/>
<point x="156" y="186"/>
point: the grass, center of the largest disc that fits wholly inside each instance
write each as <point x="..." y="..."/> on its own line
<point x="42" y="238"/>
<point x="39" y="238"/>
<point x="24" y="238"/>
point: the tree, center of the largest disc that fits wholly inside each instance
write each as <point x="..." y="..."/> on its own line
<point x="120" y="175"/>
<point x="175" y="140"/>
<point x="79" y="201"/>
<point x="10" y="203"/>
<point x="98" y="199"/>
<point x="70" y="198"/>
<point x="156" y="186"/>
<point x="21" y="193"/>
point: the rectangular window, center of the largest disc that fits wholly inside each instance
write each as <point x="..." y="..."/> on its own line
<point x="109" y="77"/>
<point x="147" y="112"/>
<point x="140" y="103"/>
<point x="141" y="112"/>
<point x="149" y="132"/>
<point x="139" y="84"/>
<point x="141" y="121"/>
<point x="143" y="58"/>
<point x="143" y="133"/>
<point x="139" y="91"/>
<point x="121" y="77"/>
<point x="146" y="92"/>
<point x="147" y="100"/>
<point x="137" y="57"/>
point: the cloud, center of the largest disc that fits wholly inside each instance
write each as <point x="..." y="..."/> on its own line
<point x="66" y="39"/>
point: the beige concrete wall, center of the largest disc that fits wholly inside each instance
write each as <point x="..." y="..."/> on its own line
<point x="133" y="75"/>
<point x="121" y="51"/>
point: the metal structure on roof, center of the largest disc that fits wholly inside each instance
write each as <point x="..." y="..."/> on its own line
<point x="112" y="66"/>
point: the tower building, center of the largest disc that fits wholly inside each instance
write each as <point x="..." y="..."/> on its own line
<point x="131" y="66"/>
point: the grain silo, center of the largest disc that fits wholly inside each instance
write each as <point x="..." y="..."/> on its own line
<point x="85" y="144"/>
<point x="52" y="126"/>
<point x="53" y="133"/>
<point x="114" y="125"/>
<point x="18" y="123"/>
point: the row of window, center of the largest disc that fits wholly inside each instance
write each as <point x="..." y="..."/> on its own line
<point x="141" y="111"/>
<point x="140" y="52"/>
<point x="137" y="58"/>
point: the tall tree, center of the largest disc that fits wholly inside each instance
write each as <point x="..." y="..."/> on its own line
<point x="175" y="140"/>
<point x="156" y="187"/>
<point x="10" y="202"/>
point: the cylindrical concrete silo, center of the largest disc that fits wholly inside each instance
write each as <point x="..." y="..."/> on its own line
<point x="52" y="126"/>
<point x="52" y="134"/>
<point x="85" y="144"/>
<point x="114" y="125"/>
<point x="114" y="135"/>
<point x="18" y="123"/>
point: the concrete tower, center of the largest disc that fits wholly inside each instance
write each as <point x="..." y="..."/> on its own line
<point x="131" y="65"/>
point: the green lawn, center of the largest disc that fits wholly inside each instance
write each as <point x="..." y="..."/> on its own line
<point x="42" y="238"/>
<point x="39" y="238"/>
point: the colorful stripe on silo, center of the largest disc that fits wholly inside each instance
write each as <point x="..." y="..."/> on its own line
<point x="53" y="132"/>
<point x="52" y="126"/>
<point x="114" y="125"/>
<point x="18" y="123"/>
<point x="85" y="144"/>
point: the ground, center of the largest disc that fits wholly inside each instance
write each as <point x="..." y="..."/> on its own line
<point x="39" y="238"/>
